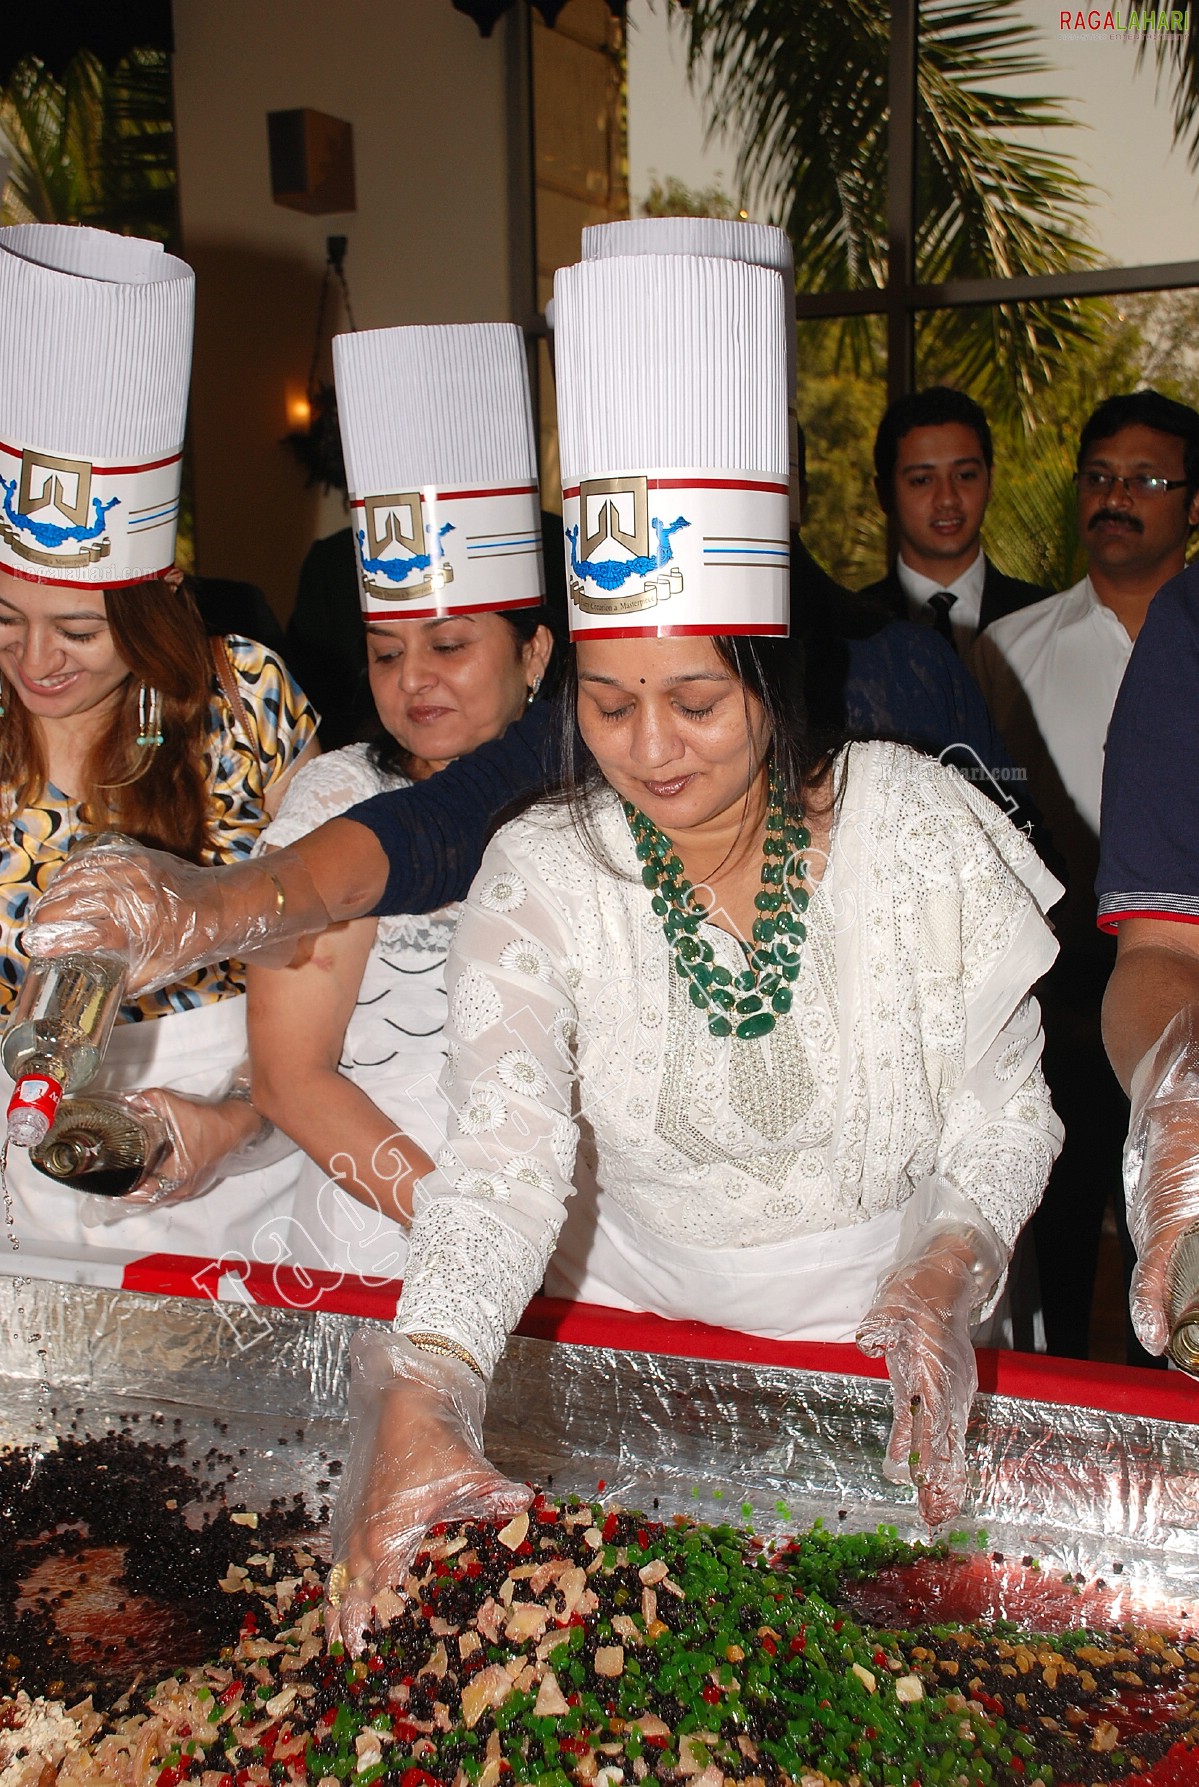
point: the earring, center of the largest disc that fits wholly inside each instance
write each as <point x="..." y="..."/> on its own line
<point x="530" y="698"/>
<point x="149" y="718"/>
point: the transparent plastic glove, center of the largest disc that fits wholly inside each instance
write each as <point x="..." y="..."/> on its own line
<point x="166" y="917"/>
<point x="1161" y="1169"/>
<point x="416" y="1458"/>
<point x="195" y="1143"/>
<point x="949" y="1262"/>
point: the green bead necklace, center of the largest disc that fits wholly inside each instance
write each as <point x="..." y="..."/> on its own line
<point x="746" y="1004"/>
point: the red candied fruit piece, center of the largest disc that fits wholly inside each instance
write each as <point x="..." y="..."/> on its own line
<point x="525" y="1548"/>
<point x="249" y="1623"/>
<point x="712" y="1695"/>
<point x="402" y="1729"/>
<point x="228" y="1695"/>
<point x="768" y="1644"/>
<point x="659" y="1741"/>
<point x="547" y="1516"/>
<point x="600" y="1486"/>
<point x="799" y="1643"/>
<point x="608" y="1530"/>
<point x="574" y="1746"/>
<point x="171" y="1777"/>
<point x="375" y="1665"/>
<point x="643" y="1540"/>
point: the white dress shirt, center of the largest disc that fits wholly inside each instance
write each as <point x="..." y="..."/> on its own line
<point x="967" y="590"/>
<point x="1050" y="674"/>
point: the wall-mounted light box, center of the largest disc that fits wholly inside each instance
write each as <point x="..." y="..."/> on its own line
<point x="312" y="161"/>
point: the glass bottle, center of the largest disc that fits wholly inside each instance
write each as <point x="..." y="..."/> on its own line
<point x="1182" y="1302"/>
<point x="100" y="1146"/>
<point x="57" y="1035"/>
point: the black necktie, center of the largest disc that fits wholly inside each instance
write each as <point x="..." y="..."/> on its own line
<point x="941" y="603"/>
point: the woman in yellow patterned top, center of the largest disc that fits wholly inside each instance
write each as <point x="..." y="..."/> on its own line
<point x="76" y="667"/>
<point x="117" y="714"/>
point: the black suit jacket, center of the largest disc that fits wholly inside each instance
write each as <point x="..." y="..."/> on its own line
<point x="1001" y="595"/>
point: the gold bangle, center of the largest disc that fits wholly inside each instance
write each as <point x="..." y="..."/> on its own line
<point x="450" y="1349"/>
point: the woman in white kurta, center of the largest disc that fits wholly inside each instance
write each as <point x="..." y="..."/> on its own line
<point x="844" y="1144"/>
<point x="757" y="1184"/>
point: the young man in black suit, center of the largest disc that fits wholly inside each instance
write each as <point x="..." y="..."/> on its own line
<point x="932" y="462"/>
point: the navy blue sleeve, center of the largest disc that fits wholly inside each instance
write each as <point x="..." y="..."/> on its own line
<point x="1149" y="836"/>
<point x="435" y="832"/>
<point x="907" y="683"/>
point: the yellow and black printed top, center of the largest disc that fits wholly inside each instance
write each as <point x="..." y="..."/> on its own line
<point x="241" y="769"/>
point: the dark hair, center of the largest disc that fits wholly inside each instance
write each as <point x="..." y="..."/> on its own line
<point x="161" y="798"/>
<point x="933" y="408"/>
<point x="771" y="670"/>
<point x="1146" y="409"/>
<point x="389" y="756"/>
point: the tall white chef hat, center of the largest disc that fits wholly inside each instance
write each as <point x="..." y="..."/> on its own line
<point x="95" y="357"/>
<point x="722" y="239"/>
<point x="672" y="422"/>
<point x="437" y="427"/>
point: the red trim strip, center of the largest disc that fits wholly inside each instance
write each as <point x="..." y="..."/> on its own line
<point x="701" y="484"/>
<point x="377" y="614"/>
<point x="712" y="632"/>
<point x="100" y="471"/>
<point x="1158" y="1395"/>
<point x="1111" y="921"/>
<point x="90" y="582"/>
<point x="454" y="496"/>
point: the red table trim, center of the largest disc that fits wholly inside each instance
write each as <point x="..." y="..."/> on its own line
<point x="1120" y="1390"/>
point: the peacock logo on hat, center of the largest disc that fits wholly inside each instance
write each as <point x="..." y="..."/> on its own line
<point x="52" y="518"/>
<point x="396" y="543"/>
<point x="615" y="523"/>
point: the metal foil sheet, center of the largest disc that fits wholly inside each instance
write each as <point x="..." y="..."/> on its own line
<point x="1108" y="1496"/>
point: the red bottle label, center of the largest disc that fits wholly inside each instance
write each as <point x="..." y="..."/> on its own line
<point x="36" y="1092"/>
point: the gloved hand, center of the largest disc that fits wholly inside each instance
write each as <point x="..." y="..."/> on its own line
<point x="1161" y="1169"/>
<point x="416" y="1458"/>
<point x="165" y="917"/>
<point x="949" y="1262"/>
<point x="194" y="1142"/>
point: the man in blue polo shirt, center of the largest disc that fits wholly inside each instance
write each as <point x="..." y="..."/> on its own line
<point x="1148" y="887"/>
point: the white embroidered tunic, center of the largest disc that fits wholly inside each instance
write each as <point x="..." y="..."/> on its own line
<point x="912" y="1048"/>
<point x="393" y="1046"/>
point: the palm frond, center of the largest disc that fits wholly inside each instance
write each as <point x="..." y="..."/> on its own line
<point x="804" y="90"/>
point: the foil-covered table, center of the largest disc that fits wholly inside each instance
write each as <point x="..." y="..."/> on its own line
<point x="1115" y="1496"/>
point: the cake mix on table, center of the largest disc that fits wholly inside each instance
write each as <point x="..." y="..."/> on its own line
<point x="157" y="1627"/>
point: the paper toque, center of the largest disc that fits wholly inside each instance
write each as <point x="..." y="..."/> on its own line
<point x="672" y="423"/>
<point x="437" y="429"/>
<point x="722" y="239"/>
<point x="95" y="358"/>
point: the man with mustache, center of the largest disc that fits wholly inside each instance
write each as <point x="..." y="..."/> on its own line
<point x="1050" y="675"/>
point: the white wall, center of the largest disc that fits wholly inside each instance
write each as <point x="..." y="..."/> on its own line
<point x="427" y="97"/>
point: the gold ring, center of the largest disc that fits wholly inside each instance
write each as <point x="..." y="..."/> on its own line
<point x="339" y="1581"/>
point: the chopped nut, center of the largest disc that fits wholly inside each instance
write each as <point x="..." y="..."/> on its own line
<point x="551" y="1701"/>
<point x="513" y="1536"/>
<point x="468" y="1644"/>
<point x="909" y="1689"/>
<point x="490" y="1688"/>
<point x="437" y="1664"/>
<point x="609" y="1659"/>
<point x="866" y="1678"/>
<point x="654" y="1571"/>
<point x="734" y="1653"/>
<point x="250" y="1520"/>
<point x="528" y="1619"/>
